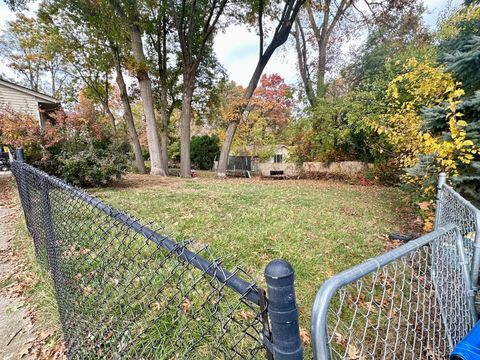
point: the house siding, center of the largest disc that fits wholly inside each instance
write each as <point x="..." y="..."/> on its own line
<point x="19" y="101"/>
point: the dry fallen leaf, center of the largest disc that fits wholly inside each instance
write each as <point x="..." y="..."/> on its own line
<point x="424" y="205"/>
<point x="305" y="336"/>
<point x="354" y="353"/>
<point x="339" y="339"/>
<point x="186" y="305"/>
<point x="247" y="315"/>
<point x="329" y="273"/>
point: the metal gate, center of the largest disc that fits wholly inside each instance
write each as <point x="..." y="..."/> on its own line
<point x="414" y="302"/>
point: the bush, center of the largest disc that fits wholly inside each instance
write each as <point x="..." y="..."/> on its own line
<point x="203" y="150"/>
<point x="95" y="164"/>
<point x="75" y="147"/>
<point x="384" y="172"/>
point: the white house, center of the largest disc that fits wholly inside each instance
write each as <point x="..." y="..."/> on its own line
<point x="24" y="100"/>
<point x="280" y="156"/>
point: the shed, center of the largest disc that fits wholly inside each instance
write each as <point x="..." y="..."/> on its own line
<point x="24" y="100"/>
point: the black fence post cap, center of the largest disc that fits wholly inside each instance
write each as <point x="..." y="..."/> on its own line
<point x="278" y="269"/>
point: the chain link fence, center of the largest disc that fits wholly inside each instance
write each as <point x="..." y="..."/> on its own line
<point x="126" y="292"/>
<point x="414" y="302"/>
<point x="454" y="209"/>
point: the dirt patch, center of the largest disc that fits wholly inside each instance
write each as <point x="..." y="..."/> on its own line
<point x="144" y="181"/>
<point x="15" y="325"/>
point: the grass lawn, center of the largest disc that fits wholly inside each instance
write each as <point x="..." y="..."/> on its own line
<point x="319" y="227"/>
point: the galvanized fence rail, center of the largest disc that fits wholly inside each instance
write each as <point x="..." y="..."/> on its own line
<point x="125" y="291"/>
<point x="414" y="302"/>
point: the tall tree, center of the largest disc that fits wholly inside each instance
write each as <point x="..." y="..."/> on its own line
<point x="282" y="30"/>
<point x="127" y="110"/>
<point x="319" y="31"/>
<point x="195" y="22"/>
<point x="32" y="53"/>
<point x="162" y="51"/>
<point x="88" y="56"/>
<point x="129" y="11"/>
<point x="81" y="24"/>
<point x="20" y="46"/>
<point x="321" y="17"/>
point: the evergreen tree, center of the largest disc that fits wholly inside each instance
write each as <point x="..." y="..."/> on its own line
<point x="460" y="52"/>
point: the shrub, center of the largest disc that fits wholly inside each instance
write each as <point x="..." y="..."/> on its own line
<point x="421" y="87"/>
<point x="75" y="147"/>
<point x="384" y="172"/>
<point x="203" y="150"/>
<point x="95" y="164"/>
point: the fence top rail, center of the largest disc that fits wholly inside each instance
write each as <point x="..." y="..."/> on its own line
<point x="247" y="290"/>
<point x="330" y="286"/>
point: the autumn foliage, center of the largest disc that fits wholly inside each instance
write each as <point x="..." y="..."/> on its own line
<point x="17" y="129"/>
<point x="76" y="146"/>
<point x="265" y="115"/>
<point x="424" y="86"/>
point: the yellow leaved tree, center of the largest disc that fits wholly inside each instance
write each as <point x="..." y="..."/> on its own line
<point x="425" y="86"/>
<point x="421" y="86"/>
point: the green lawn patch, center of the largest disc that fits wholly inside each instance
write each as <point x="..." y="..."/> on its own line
<point x="319" y="227"/>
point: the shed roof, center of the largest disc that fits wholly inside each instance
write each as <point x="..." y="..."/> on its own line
<point x="40" y="97"/>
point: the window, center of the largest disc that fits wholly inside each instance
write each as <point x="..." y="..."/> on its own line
<point x="277" y="158"/>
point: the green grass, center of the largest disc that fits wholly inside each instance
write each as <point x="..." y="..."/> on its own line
<point x="319" y="227"/>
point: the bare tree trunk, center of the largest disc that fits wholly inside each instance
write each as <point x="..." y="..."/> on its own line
<point x="127" y="113"/>
<point x="301" y="47"/>
<point x="107" y="106"/>
<point x="185" y="166"/>
<point x="163" y="70"/>
<point x="54" y="85"/>
<point x="227" y="144"/>
<point x="290" y="12"/>
<point x="164" y="135"/>
<point x="109" y="113"/>
<point x="146" y="94"/>
<point x="322" y="65"/>
<point x="232" y="126"/>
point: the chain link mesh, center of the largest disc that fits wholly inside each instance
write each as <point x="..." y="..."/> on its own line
<point x="414" y="302"/>
<point x="414" y="307"/>
<point x="126" y="292"/>
<point x="454" y="209"/>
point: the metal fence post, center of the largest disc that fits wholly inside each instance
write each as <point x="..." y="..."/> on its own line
<point x="442" y="180"/>
<point x="20" y="155"/>
<point x="282" y="310"/>
<point x="466" y="275"/>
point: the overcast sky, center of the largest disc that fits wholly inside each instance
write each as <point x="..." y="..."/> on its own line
<point x="237" y="48"/>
